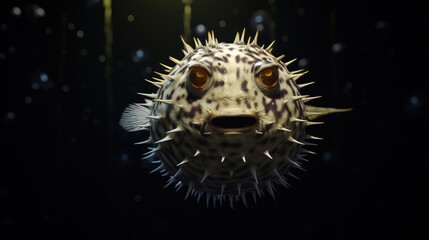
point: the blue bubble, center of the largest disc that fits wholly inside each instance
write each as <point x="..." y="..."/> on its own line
<point x="414" y="100"/>
<point x="41" y="80"/>
<point x="138" y="55"/>
<point x="124" y="157"/>
<point x="260" y="21"/>
<point x="327" y="156"/>
<point x="200" y="30"/>
<point x="44" y="77"/>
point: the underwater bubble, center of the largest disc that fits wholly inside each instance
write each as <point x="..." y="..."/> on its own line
<point x="2" y="56"/>
<point x="414" y="100"/>
<point x="380" y="25"/>
<point x="16" y="11"/>
<point x="48" y="31"/>
<point x="80" y="33"/>
<point x="348" y="85"/>
<point x="301" y="11"/>
<point x="92" y="3"/>
<point x="65" y="88"/>
<point x="260" y="21"/>
<point x="83" y="52"/>
<point x="200" y="30"/>
<point x="12" y="49"/>
<point x="40" y="79"/>
<point x="73" y="140"/>
<point x="348" y="89"/>
<point x="285" y="38"/>
<point x="71" y="26"/>
<point x="337" y="47"/>
<point x="44" y="77"/>
<point x="414" y="105"/>
<point x="148" y="69"/>
<point x="222" y="23"/>
<point x="38" y="11"/>
<point x="10" y="116"/>
<point x="130" y="18"/>
<point x="124" y="157"/>
<point x="35" y="86"/>
<point x="101" y="58"/>
<point x="327" y="156"/>
<point x="138" y="55"/>
<point x="28" y="100"/>
<point x="303" y="63"/>
<point x="46" y="218"/>
<point x="3" y="26"/>
<point x="137" y="198"/>
<point x="95" y="121"/>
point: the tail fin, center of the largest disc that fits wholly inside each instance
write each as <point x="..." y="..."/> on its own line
<point x="134" y="118"/>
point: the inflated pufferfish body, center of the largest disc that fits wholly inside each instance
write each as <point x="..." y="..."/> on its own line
<point x="227" y="121"/>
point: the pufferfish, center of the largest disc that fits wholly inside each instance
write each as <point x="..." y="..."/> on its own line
<point x="227" y="121"/>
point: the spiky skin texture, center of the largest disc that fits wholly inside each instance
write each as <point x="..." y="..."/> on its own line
<point x="208" y="157"/>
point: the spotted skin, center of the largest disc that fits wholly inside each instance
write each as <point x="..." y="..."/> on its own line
<point x="220" y="165"/>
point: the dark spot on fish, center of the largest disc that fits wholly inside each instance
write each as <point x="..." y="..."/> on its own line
<point x="244" y="86"/>
<point x="237" y="58"/>
<point x="282" y="93"/>
<point x="250" y="55"/>
<point x="190" y="98"/>
<point x="225" y="59"/>
<point x="193" y="111"/>
<point x="269" y="106"/>
<point x="238" y="101"/>
<point x="209" y="101"/>
<point x="255" y="104"/>
<point x="246" y="101"/>
<point x="219" y="83"/>
<point x="220" y="70"/>
<point x="171" y="93"/>
<point x="218" y="59"/>
<point x="256" y="92"/>
<point x="238" y="73"/>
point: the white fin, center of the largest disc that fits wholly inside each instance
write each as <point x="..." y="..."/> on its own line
<point x="134" y="118"/>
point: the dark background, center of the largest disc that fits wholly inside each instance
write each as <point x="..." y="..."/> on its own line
<point x="68" y="170"/>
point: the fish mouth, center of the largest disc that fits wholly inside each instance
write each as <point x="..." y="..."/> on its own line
<point x="233" y="124"/>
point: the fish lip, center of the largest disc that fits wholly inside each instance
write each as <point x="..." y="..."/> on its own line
<point x="233" y="124"/>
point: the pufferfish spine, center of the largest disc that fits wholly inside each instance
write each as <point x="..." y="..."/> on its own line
<point x="227" y="121"/>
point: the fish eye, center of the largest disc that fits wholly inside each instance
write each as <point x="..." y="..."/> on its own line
<point x="268" y="77"/>
<point x="198" y="78"/>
